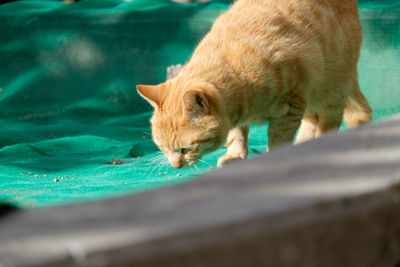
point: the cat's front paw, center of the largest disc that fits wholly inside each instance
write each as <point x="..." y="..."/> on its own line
<point x="225" y="159"/>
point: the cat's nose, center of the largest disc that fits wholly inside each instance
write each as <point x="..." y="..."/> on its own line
<point x="176" y="159"/>
<point x="177" y="164"/>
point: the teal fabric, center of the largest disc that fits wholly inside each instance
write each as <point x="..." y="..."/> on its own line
<point x="72" y="127"/>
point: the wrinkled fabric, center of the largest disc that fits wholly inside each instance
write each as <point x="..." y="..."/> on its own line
<point x="73" y="128"/>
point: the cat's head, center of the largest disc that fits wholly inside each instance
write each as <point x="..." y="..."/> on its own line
<point x="186" y="123"/>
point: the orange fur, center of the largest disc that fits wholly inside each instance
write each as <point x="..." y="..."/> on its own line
<point x="280" y="61"/>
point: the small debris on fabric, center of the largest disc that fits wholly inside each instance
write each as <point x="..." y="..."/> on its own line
<point x="37" y="176"/>
<point x="56" y="180"/>
<point x="115" y="162"/>
<point x="29" y="173"/>
<point x="178" y="174"/>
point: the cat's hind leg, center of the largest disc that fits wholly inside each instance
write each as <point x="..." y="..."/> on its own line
<point x="283" y="129"/>
<point x="237" y="146"/>
<point x="308" y="128"/>
<point x="357" y="109"/>
<point x="330" y="118"/>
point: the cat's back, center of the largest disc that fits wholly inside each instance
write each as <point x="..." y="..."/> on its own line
<point x="293" y="23"/>
<point x="318" y="34"/>
<point x="259" y="42"/>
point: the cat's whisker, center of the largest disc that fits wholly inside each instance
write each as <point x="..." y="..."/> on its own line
<point x="202" y="161"/>
<point x="195" y="166"/>
<point x="158" y="155"/>
<point x="150" y="163"/>
<point x="164" y="161"/>
<point x="151" y="160"/>
<point x="155" y="162"/>
<point x="156" y="167"/>
<point x="157" y="158"/>
<point x="147" y="169"/>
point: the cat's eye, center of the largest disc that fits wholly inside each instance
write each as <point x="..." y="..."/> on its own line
<point x="184" y="150"/>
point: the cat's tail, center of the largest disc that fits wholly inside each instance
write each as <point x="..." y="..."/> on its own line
<point x="357" y="110"/>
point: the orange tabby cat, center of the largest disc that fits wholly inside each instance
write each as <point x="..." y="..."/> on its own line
<point x="288" y="62"/>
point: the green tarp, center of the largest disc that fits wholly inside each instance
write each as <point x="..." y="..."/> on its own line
<point x="72" y="127"/>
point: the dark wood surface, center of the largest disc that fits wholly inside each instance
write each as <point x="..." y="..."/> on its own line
<point x="334" y="201"/>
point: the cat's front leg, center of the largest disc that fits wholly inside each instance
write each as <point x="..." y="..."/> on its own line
<point x="282" y="130"/>
<point x="237" y="146"/>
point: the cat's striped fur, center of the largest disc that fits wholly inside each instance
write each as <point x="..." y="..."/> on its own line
<point x="288" y="62"/>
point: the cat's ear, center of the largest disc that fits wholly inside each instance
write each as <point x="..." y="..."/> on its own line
<point x="195" y="103"/>
<point x="152" y="93"/>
